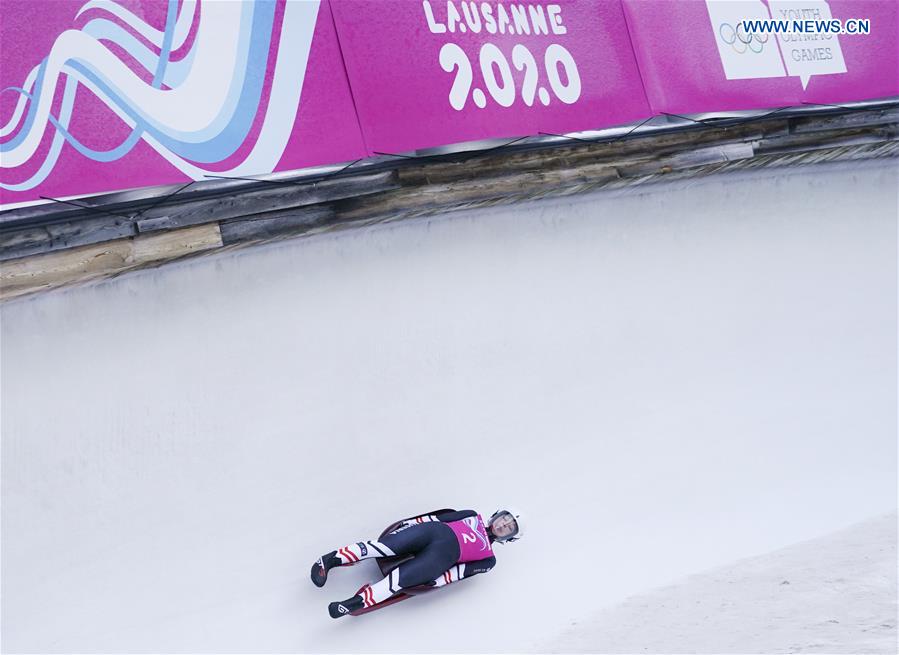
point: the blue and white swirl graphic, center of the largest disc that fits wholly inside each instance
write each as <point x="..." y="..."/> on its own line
<point x="194" y="111"/>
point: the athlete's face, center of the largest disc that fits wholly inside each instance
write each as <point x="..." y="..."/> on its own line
<point x="503" y="526"/>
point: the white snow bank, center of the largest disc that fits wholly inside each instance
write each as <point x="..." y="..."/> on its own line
<point x="834" y="594"/>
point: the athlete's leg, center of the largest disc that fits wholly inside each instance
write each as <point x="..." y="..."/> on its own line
<point x="362" y="550"/>
<point x="347" y="555"/>
<point x="427" y="565"/>
<point x="403" y="541"/>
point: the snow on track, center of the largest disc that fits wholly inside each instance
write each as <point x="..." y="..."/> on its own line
<point x="664" y="381"/>
<point x="833" y="594"/>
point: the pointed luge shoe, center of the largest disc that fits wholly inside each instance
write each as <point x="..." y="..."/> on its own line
<point x="321" y="567"/>
<point x="344" y="607"/>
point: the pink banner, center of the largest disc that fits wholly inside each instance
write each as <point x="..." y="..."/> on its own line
<point x="694" y="56"/>
<point x="432" y="72"/>
<point x="103" y="96"/>
<point x="871" y="60"/>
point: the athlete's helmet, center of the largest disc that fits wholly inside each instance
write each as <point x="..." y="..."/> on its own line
<point x="500" y="519"/>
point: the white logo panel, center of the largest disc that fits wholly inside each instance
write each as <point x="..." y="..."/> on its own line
<point x="744" y="57"/>
<point x="758" y="56"/>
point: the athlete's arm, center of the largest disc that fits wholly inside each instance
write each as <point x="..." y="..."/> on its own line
<point x="460" y="571"/>
<point x="446" y="517"/>
<point x="427" y="518"/>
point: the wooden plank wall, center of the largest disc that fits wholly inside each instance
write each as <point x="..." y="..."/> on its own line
<point x="73" y="247"/>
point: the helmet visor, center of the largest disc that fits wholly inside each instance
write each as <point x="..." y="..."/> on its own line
<point x="503" y="526"/>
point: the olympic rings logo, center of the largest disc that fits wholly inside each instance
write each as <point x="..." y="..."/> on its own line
<point x="739" y="40"/>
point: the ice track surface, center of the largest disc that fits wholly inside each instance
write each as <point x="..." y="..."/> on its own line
<point x="665" y="381"/>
